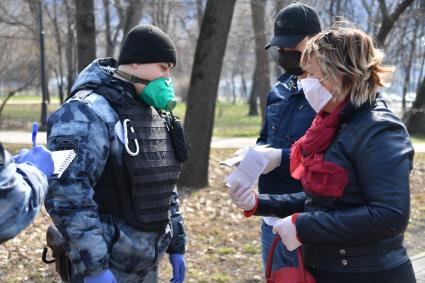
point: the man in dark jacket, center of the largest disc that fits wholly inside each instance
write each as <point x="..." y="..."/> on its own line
<point x="288" y="116"/>
<point x="117" y="205"/>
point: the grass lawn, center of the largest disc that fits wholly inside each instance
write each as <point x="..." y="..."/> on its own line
<point x="231" y="120"/>
<point x="418" y="139"/>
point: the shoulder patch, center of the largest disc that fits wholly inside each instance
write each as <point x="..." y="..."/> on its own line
<point x="65" y="144"/>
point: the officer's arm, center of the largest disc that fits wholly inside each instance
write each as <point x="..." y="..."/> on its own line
<point x="178" y="242"/>
<point x="22" y="191"/>
<point x="70" y="201"/>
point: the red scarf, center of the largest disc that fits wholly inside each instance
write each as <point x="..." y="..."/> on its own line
<point x="318" y="176"/>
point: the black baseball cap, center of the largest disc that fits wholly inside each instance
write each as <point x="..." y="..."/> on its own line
<point x="293" y="23"/>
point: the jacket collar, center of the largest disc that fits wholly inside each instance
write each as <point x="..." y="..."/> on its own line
<point x="348" y="112"/>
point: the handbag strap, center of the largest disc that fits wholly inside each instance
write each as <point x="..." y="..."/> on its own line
<point x="270" y="262"/>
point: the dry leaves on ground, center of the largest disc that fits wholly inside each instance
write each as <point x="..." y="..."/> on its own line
<point x="223" y="245"/>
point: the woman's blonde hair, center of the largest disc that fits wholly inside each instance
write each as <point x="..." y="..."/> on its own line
<point x="350" y="54"/>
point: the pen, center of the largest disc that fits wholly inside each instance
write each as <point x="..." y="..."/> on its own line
<point x="34" y="133"/>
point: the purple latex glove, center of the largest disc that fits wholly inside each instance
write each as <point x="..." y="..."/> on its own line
<point x="179" y="267"/>
<point x="105" y="277"/>
<point x="38" y="156"/>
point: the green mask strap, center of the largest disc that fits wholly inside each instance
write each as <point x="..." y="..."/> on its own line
<point x="131" y="78"/>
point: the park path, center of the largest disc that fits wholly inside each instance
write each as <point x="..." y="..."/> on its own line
<point x="419" y="267"/>
<point x="20" y="137"/>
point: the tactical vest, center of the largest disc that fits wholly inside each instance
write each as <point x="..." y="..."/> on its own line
<point x="141" y="192"/>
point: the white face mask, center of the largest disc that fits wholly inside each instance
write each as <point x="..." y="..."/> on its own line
<point x="316" y="94"/>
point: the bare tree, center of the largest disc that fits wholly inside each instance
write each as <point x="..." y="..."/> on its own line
<point x="86" y="33"/>
<point x="133" y="14"/>
<point x="109" y="52"/>
<point x="415" y="116"/>
<point x="129" y="14"/>
<point x="199" y="11"/>
<point x="199" y="118"/>
<point x="12" y="92"/>
<point x="334" y="9"/>
<point x="53" y="16"/>
<point x="70" y="52"/>
<point x="388" y="20"/>
<point x="163" y="14"/>
<point x="408" y="66"/>
<point x="279" y="5"/>
<point x="261" y="76"/>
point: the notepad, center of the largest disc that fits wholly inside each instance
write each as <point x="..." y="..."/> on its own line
<point x="62" y="159"/>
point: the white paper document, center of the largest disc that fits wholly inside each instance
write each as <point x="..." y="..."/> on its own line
<point x="249" y="169"/>
<point x="232" y="161"/>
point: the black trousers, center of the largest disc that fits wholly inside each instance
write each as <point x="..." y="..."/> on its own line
<point x="400" y="274"/>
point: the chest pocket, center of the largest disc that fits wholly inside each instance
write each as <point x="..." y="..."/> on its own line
<point x="301" y="120"/>
<point x="274" y="114"/>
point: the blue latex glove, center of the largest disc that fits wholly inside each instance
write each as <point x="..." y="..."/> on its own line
<point x="179" y="268"/>
<point x="38" y="156"/>
<point x="105" y="277"/>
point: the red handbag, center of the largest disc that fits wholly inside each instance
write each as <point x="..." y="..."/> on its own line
<point x="287" y="274"/>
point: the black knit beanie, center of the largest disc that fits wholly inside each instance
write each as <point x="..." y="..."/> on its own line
<point x="147" y="44"/>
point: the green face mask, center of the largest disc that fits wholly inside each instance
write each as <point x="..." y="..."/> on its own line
<point x="159" y="93"/>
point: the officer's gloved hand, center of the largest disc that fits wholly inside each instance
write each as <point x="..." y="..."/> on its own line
<point x="274" y="155"/>
<point x="179" y="267"/>
<point x="105" y="277"/>
<point x="242" y="196"/>
<point x="38" y="156"/>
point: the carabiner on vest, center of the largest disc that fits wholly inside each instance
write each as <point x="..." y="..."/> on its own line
<point x="126" y="139"/>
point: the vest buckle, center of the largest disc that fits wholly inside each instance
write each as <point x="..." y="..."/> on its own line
<point x="127" y="148"/>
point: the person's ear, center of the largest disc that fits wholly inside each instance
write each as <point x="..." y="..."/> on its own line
<point x="135" y="66"/>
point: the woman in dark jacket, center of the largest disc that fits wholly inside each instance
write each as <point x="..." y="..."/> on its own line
<point x="354" y="163"/>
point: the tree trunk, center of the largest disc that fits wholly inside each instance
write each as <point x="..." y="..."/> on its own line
<point x="69" y="47"/>
<point x="11" y="93"/>
<point x="388" y="20"/>
<point x="408" y="67"/>
<point x="58" y="40"/>
<point x="109" y="51"/>
<point x="202" y="96"/>
<point x="162" y="14"/>
<point x="199" y="12"/>
<point x="416" y="117"/>
<point x="86" y="33"/>
<point x="244" y="87"/>
<point x="133" y="15"/>
<point x="38" y="16"/>
<point x="261" y="77"/>
<point x="277" y="70"/>
<point x="233" y="87"/>
<point x="331" y="12"/>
